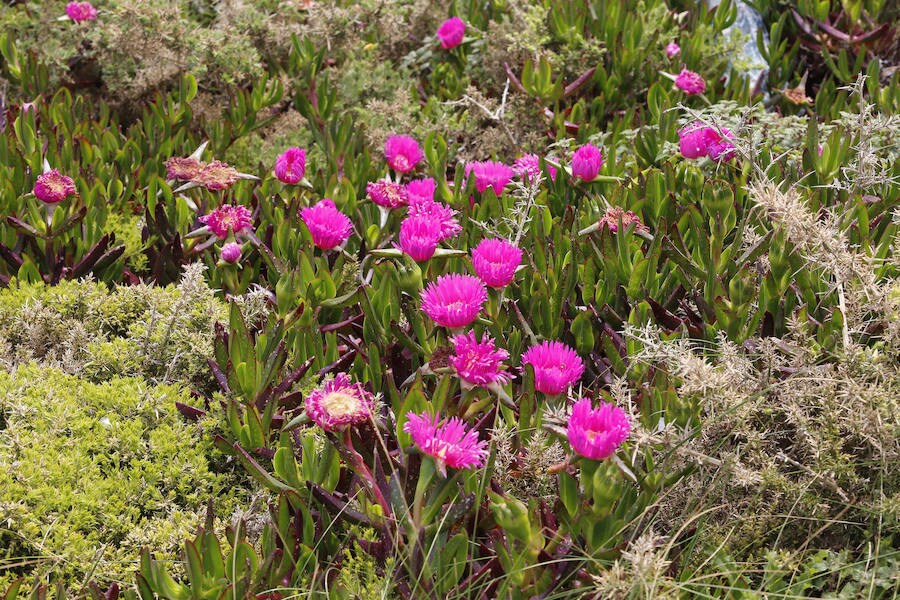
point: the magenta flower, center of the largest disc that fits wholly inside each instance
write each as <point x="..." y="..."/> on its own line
<point x="672" y="50"/>
<point x="495" y="262"/>
<point x="610" y="220"/>
<point x="290" y="166"/>
<point x="231" y="252"/>
<point x="490" y="174"/>
<point x="693" y="140"/>
<point x="328" y="226"/>
<point x="339" y="404"/>
<point x="596" y="433"/>
<point x="586" y="162"/>
<point x="454" y="300"/>
<point x="183" y="169"/>
<point x="236" y="218"/>
<point x="451" y="33"/>
<point x="420" y="236"/>
<point x="420" y="190"/>
<point x="216" y="176"/>
<point x="529" y="167"/>
<point x="439" y="213"/>
<point x="556" y="366"/>
<point x="720" y="148"/>
<point x="52" y="187"/>
<point x="690" y="83"/>
<point x="81" y="11"/>
<point x="402" y="153"/>
<point x="450" y="445"/>
<point x="386" y="194"/>
<point x="478" y="363"/>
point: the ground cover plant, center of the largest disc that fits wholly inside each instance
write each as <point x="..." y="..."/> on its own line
<point x="481" y="299"/>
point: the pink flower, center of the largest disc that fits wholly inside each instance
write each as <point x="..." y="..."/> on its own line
<point x="596" y="433"/>
<point x="450" y="445"/>
<point x="490" y="174"/>
<point x="236" y="218"/>
<point x="454" y="300"/>
<point x="328" y="226"/>
<point x="52" y="187"/>
<point x="556" y="366"/>
<point x="290" y="166"/>
<point x="440" y="213"/>
<point x="402" y="153"/>
<point x="611" y="219"/>
<point x="339" y="403"/>
<point x="419" y="190"/>
<point x="821" y="149"/>
<point x="529" y="167"/>
<point x="672" y="50"/>
<point x="720" y="148"/>
<point x="693" y="140"/>
<point x="81" y="11"/>
<point x="216" y="176"/>
<point x="231" y="252"/>
<point x="495" y="262"/>
<point x="420" y="236"/>
<point x="690" y="83"/>
<point x="451" y="33"/>
<point x="478" y="363"/>
<point x="386" y="193"/>
<point x="586" y="162"/>
<point x="183" y="169"/>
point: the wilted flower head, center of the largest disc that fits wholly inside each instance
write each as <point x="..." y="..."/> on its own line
<point x="386" y="193"/>
<point x="596" y="433"/>
<point x="690" y="83"/>
<point x="290" y="166"/>
<point x="495" y="262"/>
<point x="237" y="218"/>
<point x="610" y="219"/>
<point x="454" y="300"/>
<point x="402" y="153"/>
<point x="672" y="50"/>
<point x="586" y="162"/>
<point x="451" y="33"/>
<point x="490" y="174"/>
<point x="183" y="168"/>
<point x="81" y="11"/>
<point x="440" y="213"/>
<point x="478" y="363"/>
<point x="419" y="190"/>
<point x="339" y="403"/>
<point x="52" y="187"/>
<point x="216" y="176"/>
<point x="231" y="252"/>
<point x="420" y="236"/>
<point x="529" y="167"/>
<point x="450" y="444"/>
<point x="328" y="226"/>
<point x="556" y="366"/>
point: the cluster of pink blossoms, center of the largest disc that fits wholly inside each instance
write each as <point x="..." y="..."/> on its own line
<point x="698" y="140"/>
<point x="81" y="11"/>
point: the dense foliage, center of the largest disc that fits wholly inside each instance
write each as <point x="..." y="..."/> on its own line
<point x="519" y="299"/>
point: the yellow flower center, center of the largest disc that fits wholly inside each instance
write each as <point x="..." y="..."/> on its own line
<point x="340" y="404"/>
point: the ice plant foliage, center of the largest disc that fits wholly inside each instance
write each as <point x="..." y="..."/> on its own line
<point x="451" y="33"/>
<point x="52" y="187"/>
<point x="339" y="403"/>
<point x="556" y="366"/>
<point x="290" y="166"/>
<point x="450" y="445"/>
<point x="478" y="363"/>
<point x="690" y="83"/>
<point x="328" y="226"/>
<point x="490" y="174"/>
<point x="386" y="194"/>
<point x="495" y="262"/>
<point x="81" y="11"/>
<point x="672" y="50"/>
<point x="596" y="433"/>
<point x="586" y="162"/>
<point x="420" y="236"/>
<point x="697" y="140"/>
<point x="402" y="153"/>
<point x="235" y="218"/>
<point x="231" y="252"/>
<point x="528" y="167"/>
<point x="454" y="300"/>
